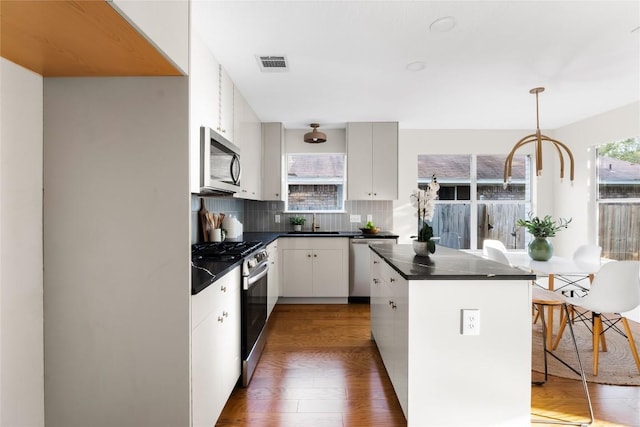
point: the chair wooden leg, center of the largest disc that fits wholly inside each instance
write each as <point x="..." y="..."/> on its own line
<point x="563" y="324"/>
<point x="549" y="319"/>
<point x="597" y="330"/>
<point x="603" y="340"/>
<point x="632" y="343"/>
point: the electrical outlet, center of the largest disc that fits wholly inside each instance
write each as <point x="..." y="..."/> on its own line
<point x="470" y="322"/>
<point x="277" y="219"/>
<point x="354" y="218"/>
<point x="369" y="218"/>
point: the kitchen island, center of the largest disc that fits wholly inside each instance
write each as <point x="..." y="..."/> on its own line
<point x="454" y="333"/>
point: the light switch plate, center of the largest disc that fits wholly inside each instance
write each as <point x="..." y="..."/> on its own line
<point x="277" y="219"/>
<point x="354" y="218"/>
<point x="369" y="218"/>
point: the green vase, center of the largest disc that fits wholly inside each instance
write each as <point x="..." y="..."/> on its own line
<point x="540" y="249"/>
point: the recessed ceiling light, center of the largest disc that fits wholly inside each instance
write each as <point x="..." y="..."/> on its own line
<point x="443" y="25"/>
<point x="416" y="66"/>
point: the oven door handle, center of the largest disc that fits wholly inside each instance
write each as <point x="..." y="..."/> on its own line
<point x="254" y="277"/>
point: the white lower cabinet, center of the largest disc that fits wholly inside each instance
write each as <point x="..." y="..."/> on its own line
<point x="273" y="277"/>
<point x="215" y="347"/>
<point x="389" y="324"/>
<point x="315" y="267"/>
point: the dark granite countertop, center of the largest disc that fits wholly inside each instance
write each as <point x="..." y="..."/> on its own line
<point x="205" y="272"/>
<point x="446" y="264"/>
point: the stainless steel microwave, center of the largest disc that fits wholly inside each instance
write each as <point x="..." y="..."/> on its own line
<point x="220" y="164"/>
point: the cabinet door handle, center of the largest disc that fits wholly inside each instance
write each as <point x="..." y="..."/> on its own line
<point x="392" y="280"/>
<point x="223" y="288"/>
<point x="308" y="255"/>
<point x="376" y="281"/>
<point x="393" y="306"/>
<point x="391" y="303"/>
<point x="315" y="255"/>
<point x="225" y="314"/>
<point x="375" y="262"/>
<point x="220" y="319"/>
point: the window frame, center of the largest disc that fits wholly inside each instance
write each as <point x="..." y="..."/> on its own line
<point x="314" y="181"/>
<point x="474" y="201"/>
<point x="598" y="201"/>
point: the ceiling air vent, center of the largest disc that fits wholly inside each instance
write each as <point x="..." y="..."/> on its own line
<point x="272" y="62"/>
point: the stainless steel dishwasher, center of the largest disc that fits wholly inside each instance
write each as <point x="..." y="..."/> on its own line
<point x="359" y="266"/>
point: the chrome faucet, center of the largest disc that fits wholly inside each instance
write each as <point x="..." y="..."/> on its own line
<point x="314" y="225"/>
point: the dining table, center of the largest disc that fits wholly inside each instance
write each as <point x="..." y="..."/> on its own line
<point x="568" y="270"/>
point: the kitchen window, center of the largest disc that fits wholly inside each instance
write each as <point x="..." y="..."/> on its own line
<point x="472" y="197"/>
<point x="618" y="199"/>
<point x="315" y="182"/>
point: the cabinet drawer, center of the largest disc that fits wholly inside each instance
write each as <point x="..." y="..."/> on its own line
<point x="222" y="292"/>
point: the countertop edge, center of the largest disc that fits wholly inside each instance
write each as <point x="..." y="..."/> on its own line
<point x="429" y="265"/>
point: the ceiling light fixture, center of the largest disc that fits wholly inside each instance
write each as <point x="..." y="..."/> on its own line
<point x="538" y="138"/>
<point x="315" y="137"/>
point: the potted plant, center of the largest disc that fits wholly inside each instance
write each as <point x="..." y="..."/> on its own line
<point x="297" y="222"/>
<point x="424" y="201"/>
<point x="540" y="249"/>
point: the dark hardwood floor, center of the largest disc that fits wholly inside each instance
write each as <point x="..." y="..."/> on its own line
<point x="320" y="368"/>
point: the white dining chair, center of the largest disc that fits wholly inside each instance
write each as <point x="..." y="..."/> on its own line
<point x="486" y="243"/>
<point x="578" y="285"/>
<point x="495" y="254"/>
<point x="615" y="290"/>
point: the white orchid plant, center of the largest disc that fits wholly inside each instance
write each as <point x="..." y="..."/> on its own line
<point x="424" y="202"/>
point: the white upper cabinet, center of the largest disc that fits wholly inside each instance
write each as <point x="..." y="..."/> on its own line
<point x="226" y="101"/>
<point x="372" y="161"/>
<point x="272" y="161"/>
<point x="203" y="101"/>
<point x="248" y="136"/>
<point x="164" y="23"/>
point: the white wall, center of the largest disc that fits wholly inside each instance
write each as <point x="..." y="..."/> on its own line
<point x="579" y="201"/>
<point x="21" y="336"/>
<point x="116" y="252"/>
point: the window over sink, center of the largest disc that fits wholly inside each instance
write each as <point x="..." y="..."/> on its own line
<point x="315" y="182"/>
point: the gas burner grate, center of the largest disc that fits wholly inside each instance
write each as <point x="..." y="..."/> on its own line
<point x="223" y="249"/>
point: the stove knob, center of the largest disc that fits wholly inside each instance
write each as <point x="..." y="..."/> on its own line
<point x="252" y="263"/>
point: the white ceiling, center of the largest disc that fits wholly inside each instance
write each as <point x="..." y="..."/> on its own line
<point x="347" y="60"/>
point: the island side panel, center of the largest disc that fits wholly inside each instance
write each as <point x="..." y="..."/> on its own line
<point x="456" y="379"/>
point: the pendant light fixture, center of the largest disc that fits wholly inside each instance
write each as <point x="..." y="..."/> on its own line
<point x="538" y="138"/>
<point x="315" y="137"/>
